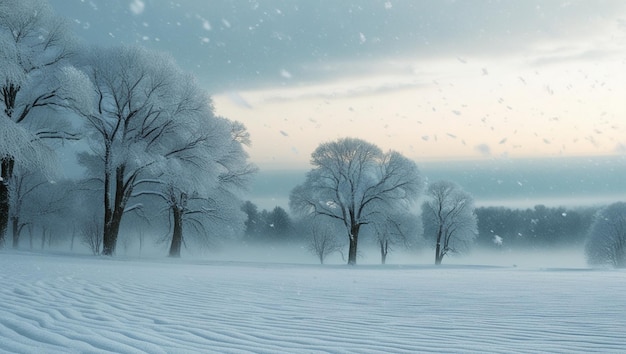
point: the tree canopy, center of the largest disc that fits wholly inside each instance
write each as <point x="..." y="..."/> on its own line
<point x="354" y="182"/>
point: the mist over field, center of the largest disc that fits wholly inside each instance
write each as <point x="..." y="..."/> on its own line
<point x="295" y="251"/>
<point x="562" y="257"/>
<point x="514" y="183"/>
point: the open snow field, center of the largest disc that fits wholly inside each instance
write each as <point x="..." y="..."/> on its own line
<point x="64" y="304"/>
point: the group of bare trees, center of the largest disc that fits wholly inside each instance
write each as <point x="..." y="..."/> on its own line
<point x="355" y="184"/>
<point x="152" y="134"/>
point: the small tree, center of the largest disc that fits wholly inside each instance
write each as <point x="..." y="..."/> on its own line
<point x="322" y="240"/>
<point x="396" y="229"/>
<point x="606" y="243"/>
<point x="448" y="218"/>
<point x="91" y="236"/>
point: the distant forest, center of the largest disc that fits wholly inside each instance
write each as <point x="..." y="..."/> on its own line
<point x="537" y="228"/>
<point x="499" y="228"/>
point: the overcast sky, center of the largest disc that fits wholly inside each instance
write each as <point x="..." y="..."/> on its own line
<point x="432" y="79"/>
<point x="483" y="81"/>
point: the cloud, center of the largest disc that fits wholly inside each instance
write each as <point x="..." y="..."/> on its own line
<point x="565" y="57"/>
<point x="345" y="89"/>
<point x="252" y="41"/>
<point x="238" y="100"/>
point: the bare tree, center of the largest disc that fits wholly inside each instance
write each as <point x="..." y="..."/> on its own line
<point x="353" y="181"/>
<point x="448" y="218"/>
<point x="91" y="236"/>
<point x="397" y="229"/>
<point x="606" y="242"/>
<point x="321" y="239"/>
<point x="34" y="48"/>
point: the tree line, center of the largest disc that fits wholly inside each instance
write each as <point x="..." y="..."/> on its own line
<point x="499" y="229"/>
<point x="539" y="227"/>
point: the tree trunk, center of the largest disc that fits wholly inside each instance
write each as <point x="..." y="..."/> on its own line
<point x="113" y="213"/>
<point x="111" y="230"/>
<point x="354" y="238"/>
<point x="6" y="172"/>
<point x="43" y="237"/>
<point x="73" y="237"/>
<point x="4" y="211"/>
<point x="384" y="249"/>
<point x="141" y="237"/>
<point x="30" y="235"/>
<point x="438" y="255"/>
<point x="177" y="237"/>
<point x="15" y="222"/>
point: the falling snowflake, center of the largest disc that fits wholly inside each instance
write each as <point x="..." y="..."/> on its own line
<point x="286" y="74"/>
<point x="137" y="7"/>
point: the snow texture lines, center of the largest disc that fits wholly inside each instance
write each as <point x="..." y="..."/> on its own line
<point x="58" y="304"/>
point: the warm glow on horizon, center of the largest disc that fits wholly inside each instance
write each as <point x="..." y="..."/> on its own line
<point x="464" y="108"/>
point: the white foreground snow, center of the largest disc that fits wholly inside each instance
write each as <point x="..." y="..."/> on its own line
<point x="61" y="304"/>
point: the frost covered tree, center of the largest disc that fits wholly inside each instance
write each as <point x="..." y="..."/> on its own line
<point x="142" y="120"/>
<point x="34" y="77"/>
<point x="354" y="182"/>
<point x="448" y="218"/>
<point x="606" y="242"/>
<point x="201" y="185"/>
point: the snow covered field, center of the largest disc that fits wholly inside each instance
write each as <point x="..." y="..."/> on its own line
<point x="61" y="304"/>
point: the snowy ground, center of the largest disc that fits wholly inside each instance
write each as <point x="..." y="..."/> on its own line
<point x="55" y="303"/>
